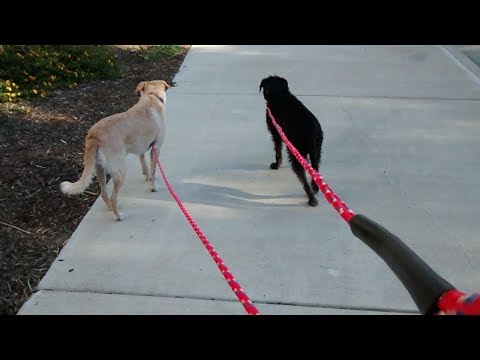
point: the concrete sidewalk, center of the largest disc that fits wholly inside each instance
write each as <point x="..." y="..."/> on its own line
<point x="401" y="146"/>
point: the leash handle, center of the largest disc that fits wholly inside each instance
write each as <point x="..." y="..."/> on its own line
<point x="424" y="285"/>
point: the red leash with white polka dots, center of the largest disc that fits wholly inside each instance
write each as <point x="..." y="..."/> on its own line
<point x="241" y="295"/>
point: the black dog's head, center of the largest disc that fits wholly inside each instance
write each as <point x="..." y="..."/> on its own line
<point x="274" y="86"/>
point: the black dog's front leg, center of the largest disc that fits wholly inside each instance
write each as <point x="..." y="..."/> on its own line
<point x="277" y="142"/>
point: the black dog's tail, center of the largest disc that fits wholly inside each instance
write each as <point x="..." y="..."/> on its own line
<point x="316" y="154"/>
<point x="316" y="157"/>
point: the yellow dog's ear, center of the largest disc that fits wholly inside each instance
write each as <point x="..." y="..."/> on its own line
<point x="141" y="86"/>
<point x="166" y="84"/>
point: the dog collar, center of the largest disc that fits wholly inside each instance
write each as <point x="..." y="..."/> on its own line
<point x="159" y="98"/>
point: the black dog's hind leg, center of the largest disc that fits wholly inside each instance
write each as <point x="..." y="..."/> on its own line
<point x="277" y="142"/>
<point x="315" y="162"/>
<point x="300" y="172"/>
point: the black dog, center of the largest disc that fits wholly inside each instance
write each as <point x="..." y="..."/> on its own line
<point x="299" y="125"/>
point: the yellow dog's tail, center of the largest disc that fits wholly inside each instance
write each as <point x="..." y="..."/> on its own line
<point x="89" y="161"/>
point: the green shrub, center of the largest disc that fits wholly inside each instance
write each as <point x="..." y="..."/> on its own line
<point x="159" y="52"/>
<point x="31" y="70"/>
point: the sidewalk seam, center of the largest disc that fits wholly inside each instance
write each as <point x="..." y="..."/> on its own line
<point x="462" y="61"/>
<point x="338" y="96"/>
<point x="310" y="305"/>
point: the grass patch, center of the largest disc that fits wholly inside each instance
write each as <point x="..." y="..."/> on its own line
<point x="159" y="52"/>
<point x="32" y="70"/>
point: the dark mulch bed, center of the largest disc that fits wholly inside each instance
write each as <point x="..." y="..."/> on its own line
<point x="40" y="149"/>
